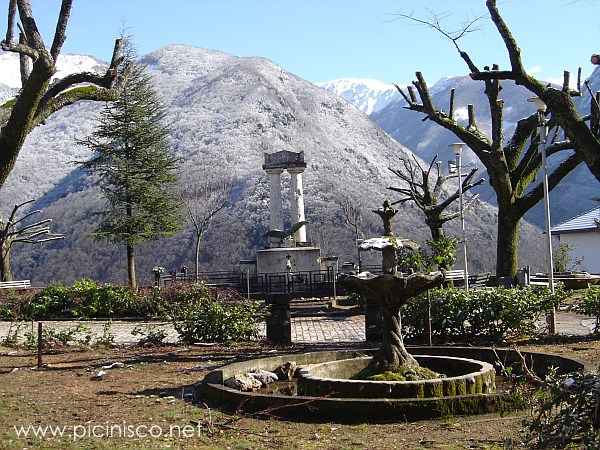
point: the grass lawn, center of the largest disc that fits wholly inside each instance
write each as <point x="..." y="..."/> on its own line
<point x="151" y="395"/>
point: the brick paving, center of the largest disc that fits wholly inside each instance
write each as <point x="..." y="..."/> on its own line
<point x="317" y="329"/>
<point x="328" y="329"/>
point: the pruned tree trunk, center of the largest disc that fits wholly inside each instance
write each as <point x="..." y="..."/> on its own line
<point x="435" y="225"/>
<point x="197" y="267"/>
<point x="5" y="269"/>
<point x="424" y="187"/>
<point x="131" y="267"/>
<point x="507" y="242"/>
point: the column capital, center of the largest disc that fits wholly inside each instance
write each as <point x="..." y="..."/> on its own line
<point x="274" y="171"/>
<point x="295" y="170"/>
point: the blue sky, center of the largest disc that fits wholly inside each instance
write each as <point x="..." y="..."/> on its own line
<point x="325" y="39"/>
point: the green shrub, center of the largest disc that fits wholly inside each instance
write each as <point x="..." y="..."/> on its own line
<point x="590" y="305"/>
<point x="566" y="413"/>
<point x="438" y="254"/>
<point x="12" y="303"/>
<point x="495" y="314"/>
<point x="52" y="301"/>
<point x="150" y="335"/>
<point x="443" y="252"/>
<point x="203" y="315"/>
<point x="52" y="337"/>
<point x="85" y="299"/>
<point x="93" y="300"/>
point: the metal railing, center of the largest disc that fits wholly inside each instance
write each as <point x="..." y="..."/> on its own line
<point x="308" y="284"/>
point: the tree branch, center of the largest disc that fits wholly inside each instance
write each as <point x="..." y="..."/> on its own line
<point x="536" y="194"/>
<point x="71" y="96"/>
<point x="12" y="12"/>
<point x="34" y="38"/>
<point x="105" y="81"/>
<point x="523" y="131"/>
<point x="22" y="49"/>
<point x="61" y="28"/>
<point x="25" y="62"/>
<point x="454" y="37"/>
<point x="514" y="52"/>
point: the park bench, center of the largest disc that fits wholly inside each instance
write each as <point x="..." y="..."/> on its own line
<point x="479" y="281"/>
<point x="454" y="277"/>
<point x="22" y="284"/>
<point x="457" y="278"/>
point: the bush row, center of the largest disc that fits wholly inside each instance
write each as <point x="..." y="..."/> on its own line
<point x="198" y="313"/>
<point x="590" y="305"/>
<point x="85" y="299"/>
<point x="496" y="314"/>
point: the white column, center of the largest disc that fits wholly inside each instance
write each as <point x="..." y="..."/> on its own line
<point x="275" y="199"/>
<point x="297" y="202"/>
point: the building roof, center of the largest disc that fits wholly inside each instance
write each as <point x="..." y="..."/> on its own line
<point x="589" y="221"/>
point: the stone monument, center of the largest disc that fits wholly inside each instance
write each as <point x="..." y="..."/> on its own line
<point x="288" y="250"/>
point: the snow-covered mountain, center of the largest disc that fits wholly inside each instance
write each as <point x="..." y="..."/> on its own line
<point x="224" y="113"/>
<point x="67" y="64"/>
<point x="366" y="94"/>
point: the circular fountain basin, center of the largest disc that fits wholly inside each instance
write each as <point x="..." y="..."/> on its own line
<point x="463" y="377"/>
<point x="357" y="407"/>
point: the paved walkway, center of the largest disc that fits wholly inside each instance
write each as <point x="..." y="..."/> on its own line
<point x="320" y="329"/>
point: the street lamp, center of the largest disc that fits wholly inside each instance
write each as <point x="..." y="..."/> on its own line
<point x="458" y="148"/>
<point x="335" y="267"/>
<point x="542" y="133"/>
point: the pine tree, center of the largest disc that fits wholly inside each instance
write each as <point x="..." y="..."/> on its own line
<point x="134" y="166"/>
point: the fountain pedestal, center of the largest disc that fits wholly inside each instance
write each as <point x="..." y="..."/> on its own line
<point x="373" y="323"/>
<point x="279" y="322"/>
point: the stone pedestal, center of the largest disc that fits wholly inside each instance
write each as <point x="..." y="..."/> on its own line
<point x="373" y="323"/>
<point x="279" y="322"/>
<point x="273" y="260"/>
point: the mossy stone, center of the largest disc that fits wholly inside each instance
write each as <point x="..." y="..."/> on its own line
<point x="449" y="388"/>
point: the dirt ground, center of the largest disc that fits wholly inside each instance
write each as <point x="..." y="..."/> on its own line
<point x="151" y="395"/>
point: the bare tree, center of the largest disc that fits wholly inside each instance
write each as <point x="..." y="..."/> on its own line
<point x="354" y="219"/>
<point x="204" y="200"/>
<point x="14" y="231"/>
<point x="581" y="136"/>
<point x="39" y="98"/>
<point x="512" y="166"/>
<point x="426" y="192"/>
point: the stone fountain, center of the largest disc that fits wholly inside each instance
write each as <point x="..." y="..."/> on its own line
<point x="331" y="385"/>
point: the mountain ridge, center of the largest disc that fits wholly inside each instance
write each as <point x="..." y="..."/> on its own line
<point x="225" y="112"/>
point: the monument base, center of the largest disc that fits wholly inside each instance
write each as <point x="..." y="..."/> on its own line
<point x="274" y="260"/>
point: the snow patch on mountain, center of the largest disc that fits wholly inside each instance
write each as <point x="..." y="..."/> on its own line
<point x="67" y="64"/>
<point x="367" y="95"/>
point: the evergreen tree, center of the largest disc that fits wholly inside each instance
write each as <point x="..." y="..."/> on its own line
<point x="134" y="165"/>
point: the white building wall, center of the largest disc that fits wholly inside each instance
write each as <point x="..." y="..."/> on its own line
<point x="586" y="245"/>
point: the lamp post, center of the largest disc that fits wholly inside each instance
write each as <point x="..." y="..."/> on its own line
<point x="542" y="133"/>
<point x="458" y="148"/>
<point x="358" y="242"/>
<point x="335" y="267"/>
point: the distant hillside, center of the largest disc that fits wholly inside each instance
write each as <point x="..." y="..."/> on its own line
<point x="224" y="113"/>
